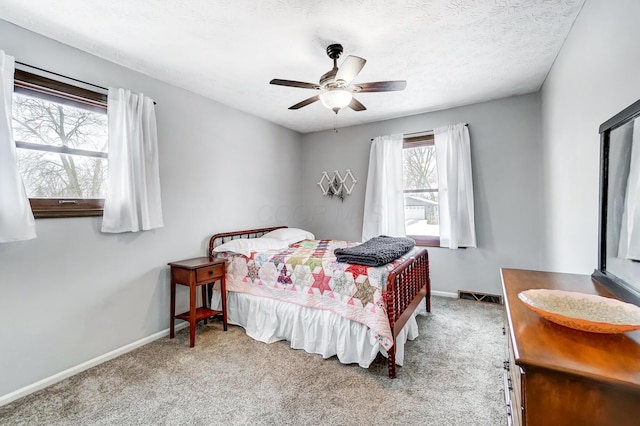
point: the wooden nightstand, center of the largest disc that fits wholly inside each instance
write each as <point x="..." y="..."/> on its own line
<point x="197" y="272"/>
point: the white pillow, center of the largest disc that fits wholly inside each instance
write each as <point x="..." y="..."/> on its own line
<point x="290" y="235"/>
<point x="245" y="246"/>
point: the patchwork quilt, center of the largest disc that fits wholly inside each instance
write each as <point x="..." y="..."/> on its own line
<point x="308" y="274"/>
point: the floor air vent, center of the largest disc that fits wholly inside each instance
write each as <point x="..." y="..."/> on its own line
<point x="480" y="297"/>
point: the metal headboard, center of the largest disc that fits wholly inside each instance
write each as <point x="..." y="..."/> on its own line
<point x="222" y="238"/>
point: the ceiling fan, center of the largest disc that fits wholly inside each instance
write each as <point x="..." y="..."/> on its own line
<point x="337" y="90"/>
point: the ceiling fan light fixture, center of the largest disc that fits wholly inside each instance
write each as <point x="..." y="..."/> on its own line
<point x="336" y="99"/>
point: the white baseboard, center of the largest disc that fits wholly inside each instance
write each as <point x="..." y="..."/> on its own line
<point x="444" y="294"/>
<point x="48" y="381"/>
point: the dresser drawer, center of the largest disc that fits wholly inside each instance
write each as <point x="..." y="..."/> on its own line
<point x="210" y="273"/>
<point x="514" y="391"/>
<point x="515" y="378"/>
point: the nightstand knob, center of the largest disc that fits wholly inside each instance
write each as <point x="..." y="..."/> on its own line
<point x="210" y="272"/>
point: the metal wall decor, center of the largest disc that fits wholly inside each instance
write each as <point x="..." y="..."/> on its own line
<point x="336" y="184"/>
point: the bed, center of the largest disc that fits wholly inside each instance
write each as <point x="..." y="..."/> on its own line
<point x="377" y="316"/>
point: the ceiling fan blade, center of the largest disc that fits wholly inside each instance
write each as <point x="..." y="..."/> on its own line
<point x="291" y="83"/>
<point x="305" y="102"/>
<point x="380" y="86"/>
<point x="356" y="105"/>
<point x="350" y="68"/>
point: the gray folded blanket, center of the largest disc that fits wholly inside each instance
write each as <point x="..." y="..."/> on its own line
<point x="377" y="251"/>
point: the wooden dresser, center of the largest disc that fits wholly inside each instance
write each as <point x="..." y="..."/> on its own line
<point x="558" y="376"/>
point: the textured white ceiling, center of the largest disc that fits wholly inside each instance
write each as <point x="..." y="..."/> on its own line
<point x="451" y="52"/>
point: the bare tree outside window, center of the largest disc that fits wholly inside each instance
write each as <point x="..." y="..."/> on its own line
<point x="420" y="170"/>
<point x="421" y="190"/>
<point x="61" y="148"/>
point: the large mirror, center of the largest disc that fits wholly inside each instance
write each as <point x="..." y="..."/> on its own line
<point x="619" y="260"/>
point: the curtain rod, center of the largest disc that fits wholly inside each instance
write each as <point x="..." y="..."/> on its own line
<point x="424" y="131"/>
<point x="65" y="76"/>
<point x="61" y="75"/>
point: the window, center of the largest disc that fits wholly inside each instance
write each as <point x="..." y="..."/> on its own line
<point x="61" y="144"/>
<point x="420" y="179"/>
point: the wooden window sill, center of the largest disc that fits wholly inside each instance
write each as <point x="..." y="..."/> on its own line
<point x="425" y="241"/>
<point x="46" y="208"/>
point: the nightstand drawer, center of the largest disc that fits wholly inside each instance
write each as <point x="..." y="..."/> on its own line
<point x="209" y="273"/>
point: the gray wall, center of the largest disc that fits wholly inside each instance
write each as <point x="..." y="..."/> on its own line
<point x="596" y="75"/>
<point x="505" y="144"/>
<point x="73" y="293"/>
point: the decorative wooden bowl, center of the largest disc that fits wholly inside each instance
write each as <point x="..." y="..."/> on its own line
<point x="586" y="312"/>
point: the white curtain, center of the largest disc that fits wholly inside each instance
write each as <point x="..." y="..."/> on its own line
<point x="384" y="196"/>
<point x="16" y="217"/>
<point x="630" y="229"/>
<point x="455" y="186"/>
<point x="133" y="201"/>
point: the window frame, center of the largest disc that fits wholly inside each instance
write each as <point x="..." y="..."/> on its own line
<point x="415" y="142"/>
<point x="60" y="92"/>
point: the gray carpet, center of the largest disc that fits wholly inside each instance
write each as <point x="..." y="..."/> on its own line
<point x="452" y="376"/>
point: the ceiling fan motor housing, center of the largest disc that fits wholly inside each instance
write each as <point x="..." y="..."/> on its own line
<point x="333" y="51"/>
<point x="328" y="78"/>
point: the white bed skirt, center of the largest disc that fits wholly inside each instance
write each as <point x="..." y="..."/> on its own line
<point x="315" y="331"/>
